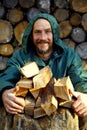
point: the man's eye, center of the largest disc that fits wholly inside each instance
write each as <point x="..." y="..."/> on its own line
<point x="37" y="32"/>
<point x="48" y="31"/>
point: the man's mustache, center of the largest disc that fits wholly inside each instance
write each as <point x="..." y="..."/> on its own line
<point x="42" y="41"/>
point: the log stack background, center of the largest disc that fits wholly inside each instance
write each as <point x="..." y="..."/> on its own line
<point x="15" y="15"/>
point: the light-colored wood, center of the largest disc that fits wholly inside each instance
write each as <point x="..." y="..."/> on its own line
<point x="34" y="92"/>
<point x="44" y="76"/>
<point x="65" y="29"/>
<point x="6" y="49"/>
<point x="84" y="21"/>
<point x="30" y="69"/>
<point x="19" y="31"/>
<point x="61" y="14"/>
<point x="25" y="83"/>
<point x="29" y="106"/>
<point x="63" y="88"/>
<point x="15" y="15"/>
<point x="75" y="19"/>
<point x="6" y="31"/>
<point x="20" y="91"/>
<point x="79" y="6"/>
<point x="50" y="106"/>
<point x="39" y="112"/>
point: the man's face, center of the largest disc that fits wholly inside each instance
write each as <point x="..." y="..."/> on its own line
<point x="42" y="36"/>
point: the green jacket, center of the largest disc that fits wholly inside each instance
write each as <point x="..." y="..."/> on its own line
<point x="64" y="61"/>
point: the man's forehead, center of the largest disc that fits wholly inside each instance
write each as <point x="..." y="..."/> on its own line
<point x="42" y="22"/>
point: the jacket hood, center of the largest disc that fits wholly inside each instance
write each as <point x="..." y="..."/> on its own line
<point x="26" y="41"/>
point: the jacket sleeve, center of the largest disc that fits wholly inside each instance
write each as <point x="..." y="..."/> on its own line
<point x="77" y="74"/>
<point x="10" y="76"/>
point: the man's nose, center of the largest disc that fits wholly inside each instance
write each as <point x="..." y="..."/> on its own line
<point x="43" y="36"/>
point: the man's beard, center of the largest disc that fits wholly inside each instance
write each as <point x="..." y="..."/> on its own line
<point x="40" y="50"/>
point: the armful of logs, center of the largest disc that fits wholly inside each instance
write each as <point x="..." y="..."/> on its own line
<point x="42" y="92"/>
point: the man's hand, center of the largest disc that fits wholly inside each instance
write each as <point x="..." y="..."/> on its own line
<point x="12" y="103"/>
<point x="80" y="104"/>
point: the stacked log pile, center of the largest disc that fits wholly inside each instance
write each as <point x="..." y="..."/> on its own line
<point x="41" y="92"/>
<point x="41" y="111"/>
<point x="15" y="16"/>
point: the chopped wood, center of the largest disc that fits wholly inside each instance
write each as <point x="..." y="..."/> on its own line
<point x="61" y="14"/>
<point x="19" y="31"/>
<point x="42" y="79"/>
<point x="75" y="19"/>
<point x="20" y="91"/>
<point x="60" y="3"/>
<point x="65" y="103"/>
<point x="78" y="34"/>
<point x="79" y="5"/>
<point x="14" y="15"/>
<point x="6" y="31"/>
<point x="48" y="102"/>
<point x="63" y="88"/>
<point x="22" y="87"/>
<point x="25" y="83"/>
<point x="38" y="102"/>
<point x="39" y="112"/>
<point x="6" y="49"/>
<point x="84" y="21"/>
<point x="65" y="29"/>
<point x="29" y="106"/>
<point x="26" y="3"/>
<point x="69" y="43"/>
<point x="44" y="5"/>
<point x="50" y="106"/>
<point x="82" y="50"/>
<point x="34" y="92"/>
<point x="30" y="69"/>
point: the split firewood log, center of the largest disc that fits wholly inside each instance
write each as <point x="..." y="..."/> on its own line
<point x="39" y="112"/>
<point x="32" y="12"/>
<point x="65" y="28"/>
<point x="26" y="3"/>
<point x="6" y="31"/>
<point x="43" y="5"/>
<point x="61" y="14"/>
<point x="49" y="103"/>
<point x="14" y="15"/>
<point x="50" y="106"/>
<point x="22" y="87"/>
<point x="30" y="69"/>
<point x="38" y="102"/>
<point x="75" y="19"/>
<point x="29" y="106"/>
<point x="6" y="49"/>
<point x="19" y="31"/>
<point x="84" y="21"/>
<point x="43" y="77"/>
<point x="60" y="4"/>
<point x="79" y="6"/>
<point x="63" y="89"/>
<point x="34" y="92"/>
<point x="82" y="50"/>
<point x="69" y="43"/>
<point x="78" y="34"/>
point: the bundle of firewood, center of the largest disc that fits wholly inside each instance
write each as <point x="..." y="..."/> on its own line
<point x="42" y="92"/>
